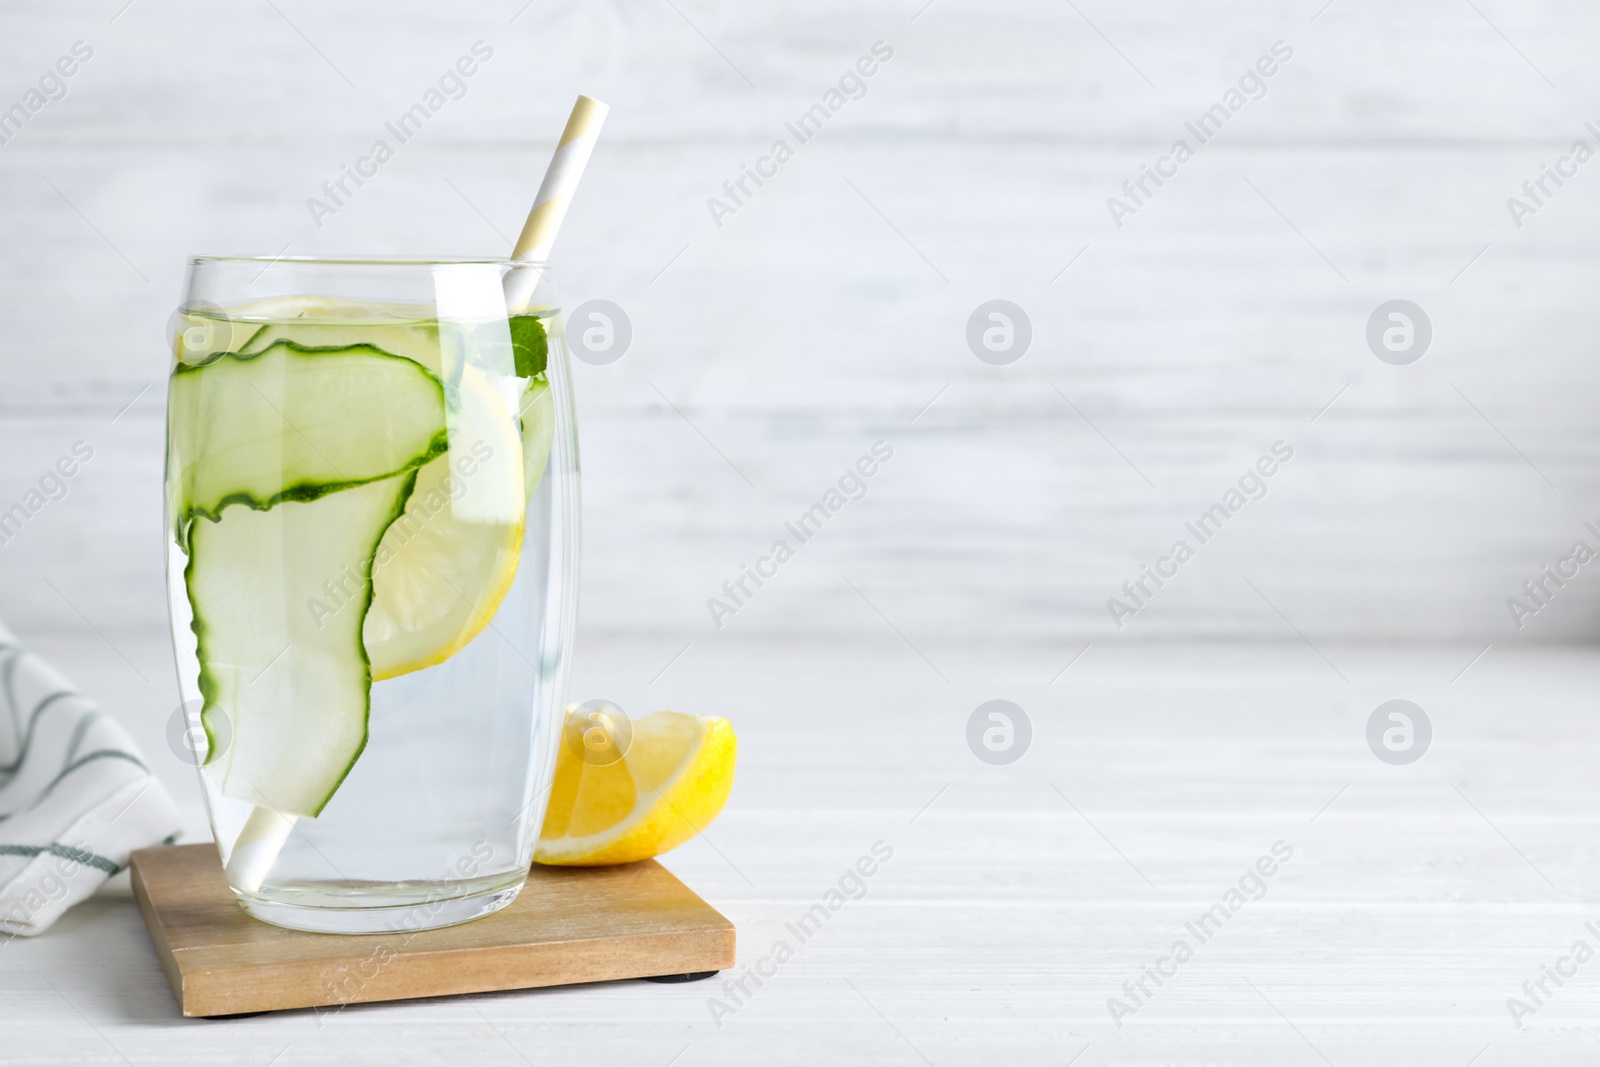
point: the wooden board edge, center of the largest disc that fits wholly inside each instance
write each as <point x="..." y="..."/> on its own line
<point x="216" y="992"/>
<point x="158" y="935"/>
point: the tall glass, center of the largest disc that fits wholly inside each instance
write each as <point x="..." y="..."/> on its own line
<point x="372" y="553"/>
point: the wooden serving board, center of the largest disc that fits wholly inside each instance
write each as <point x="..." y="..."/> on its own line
<point x="569" y="924"/>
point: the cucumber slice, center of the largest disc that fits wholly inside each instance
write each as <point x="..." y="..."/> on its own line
<point x="292" y="422"/>
<point x="416" y="341"/>
<point x="279" y="599"/>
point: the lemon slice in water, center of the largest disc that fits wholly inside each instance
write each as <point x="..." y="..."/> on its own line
<point x="445" y="565"/>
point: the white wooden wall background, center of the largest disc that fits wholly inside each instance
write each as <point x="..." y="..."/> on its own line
<point x="830" y="310"/>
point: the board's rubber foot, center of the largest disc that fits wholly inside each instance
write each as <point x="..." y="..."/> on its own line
<point x="693" y="976"/>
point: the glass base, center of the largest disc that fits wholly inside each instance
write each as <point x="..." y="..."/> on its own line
<point x="378" y="918"/>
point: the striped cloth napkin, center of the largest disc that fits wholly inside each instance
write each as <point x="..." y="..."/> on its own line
<point x="75" y="796"/>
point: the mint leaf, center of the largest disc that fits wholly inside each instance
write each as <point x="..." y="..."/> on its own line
<point x="530" y="346"/>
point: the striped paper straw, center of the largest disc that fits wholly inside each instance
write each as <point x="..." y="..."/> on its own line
<point x="555" y="192"/>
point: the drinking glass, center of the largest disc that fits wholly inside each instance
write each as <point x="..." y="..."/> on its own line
<point x="372" y="557"/>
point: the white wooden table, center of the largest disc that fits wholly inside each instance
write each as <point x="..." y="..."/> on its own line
<point x="1018" y="898"/>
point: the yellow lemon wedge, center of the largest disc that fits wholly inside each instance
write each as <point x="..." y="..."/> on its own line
<point x="671" y="779"/>
<point x="443" y="567"/>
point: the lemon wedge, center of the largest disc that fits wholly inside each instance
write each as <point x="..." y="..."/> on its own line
<point x="444" y="566"/>
<point x="672" y="779"/>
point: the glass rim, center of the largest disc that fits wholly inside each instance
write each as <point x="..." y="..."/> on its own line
<point x="371" y="261"/>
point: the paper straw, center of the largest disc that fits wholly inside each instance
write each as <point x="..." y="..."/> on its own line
<point x="560" y="180"/>
<point x="256" y="850"/>
<point x="555" y="195"/>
